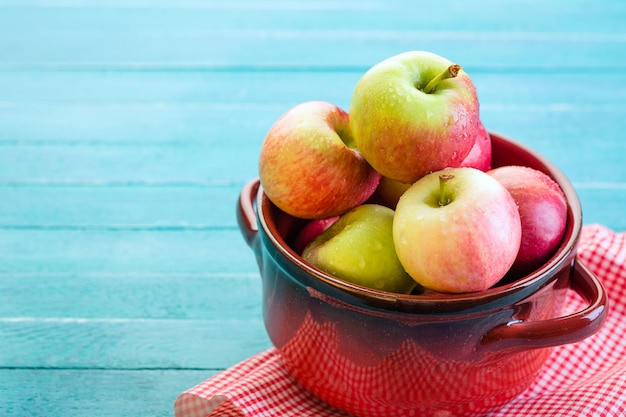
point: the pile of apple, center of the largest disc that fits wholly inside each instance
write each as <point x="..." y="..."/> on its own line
<point x="400" y="191"/>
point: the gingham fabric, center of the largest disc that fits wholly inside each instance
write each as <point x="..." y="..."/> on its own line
<point x="584" y="379"/>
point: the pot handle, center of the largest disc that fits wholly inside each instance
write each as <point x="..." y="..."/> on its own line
<point x="246" y="214"/>
<point x="523" y="335"/>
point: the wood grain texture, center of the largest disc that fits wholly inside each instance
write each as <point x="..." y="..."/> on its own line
<point x="164" y="207"/>
<point x="277" y="33"/>
<point x="124" y="251"/>
<point x="110" y="343"/>
<point x="120" y="296"/>
<point x="97" y="393"/>
<point x="128" y="128"/>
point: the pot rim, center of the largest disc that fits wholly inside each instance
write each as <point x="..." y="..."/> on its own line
<point x="444" y="303"/>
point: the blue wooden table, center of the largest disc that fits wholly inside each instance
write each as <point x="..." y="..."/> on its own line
<point x="128" y="128"/>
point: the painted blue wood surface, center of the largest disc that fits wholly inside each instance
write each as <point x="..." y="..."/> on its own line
<point x="127" y="129"/>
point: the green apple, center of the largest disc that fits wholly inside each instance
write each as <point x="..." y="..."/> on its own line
<point x="309" y="166"/>
<point x="359" y="248"/>
<point x="457" y="230"/>
<point x="414" y="113"/>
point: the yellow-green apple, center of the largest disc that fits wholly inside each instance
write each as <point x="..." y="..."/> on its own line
<point x="543" y="211"/>
<point x="390" y="191"/>
<point x="359" y="248"/>
<point x="457" y="230"/>
<point x="309" y="165"/>
<point x="479" y="157"/>
<point x="414" y="113"/>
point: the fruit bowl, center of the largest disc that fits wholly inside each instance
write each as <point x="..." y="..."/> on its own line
<point x="373" y="353"/>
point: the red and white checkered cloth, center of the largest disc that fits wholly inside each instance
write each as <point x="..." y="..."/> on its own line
<point x="585" y="379"/>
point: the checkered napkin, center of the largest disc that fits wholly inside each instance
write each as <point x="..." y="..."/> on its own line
<point x="587" y="378"/>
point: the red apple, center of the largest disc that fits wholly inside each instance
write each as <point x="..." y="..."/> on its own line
<point x="414" y="113"/>
<point x="543" y="212"/>
<point x="309" y="165"/>
<point x="310" y="231"/>
<point x="457" y="230"/>
<point x="480" y="154"/>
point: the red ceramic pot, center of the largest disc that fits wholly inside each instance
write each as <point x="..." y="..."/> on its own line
<point x="377" y="354"/>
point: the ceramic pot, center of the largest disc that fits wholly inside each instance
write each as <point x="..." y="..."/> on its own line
<point x="376" y="354"/>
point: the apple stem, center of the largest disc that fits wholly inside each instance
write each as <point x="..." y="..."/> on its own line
<point x="450" y="72"/>
<point x="444" y="199"/>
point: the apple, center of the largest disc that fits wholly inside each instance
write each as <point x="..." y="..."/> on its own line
<point x="480" y="154"/>
<point x="414" y="113"/>
<point x="457" y="230"/>
<point x="359" y="248"/>
<point x="479" y="157"/>
<point x="543" y="211"/>
<point x="309" y="166"/>
<point x="390" y="191"/>
<point x="310" y="231"/>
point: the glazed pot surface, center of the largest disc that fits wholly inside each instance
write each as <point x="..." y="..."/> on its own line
<point x="373" y="353"/>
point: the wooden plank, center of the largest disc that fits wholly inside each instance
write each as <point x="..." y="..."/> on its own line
<point x="497" y="36"/>
<point x="97" y="393"/>
<point x="120" y="207"/>
<point x="154" y="125"/>
<point x="377" y="8"/>
<point x="100" y="295"/>
<point x="197" y="17"/>
<point x="113" y="343"/>
<point x="604" y="205"/>
<point x="192" y="208"/>
<point x="80" y="251"/>
<point x="269" y="90"/>
<point x="179" y="143"/>
<point x="128" y="165"/>
<point x="584" y="159"/>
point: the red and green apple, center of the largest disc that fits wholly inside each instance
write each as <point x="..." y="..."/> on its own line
<point x="414" y="113"/>
<point x="309" y="165"/>
<point x="479" y="157"/>
<point x="457" y="230"/>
